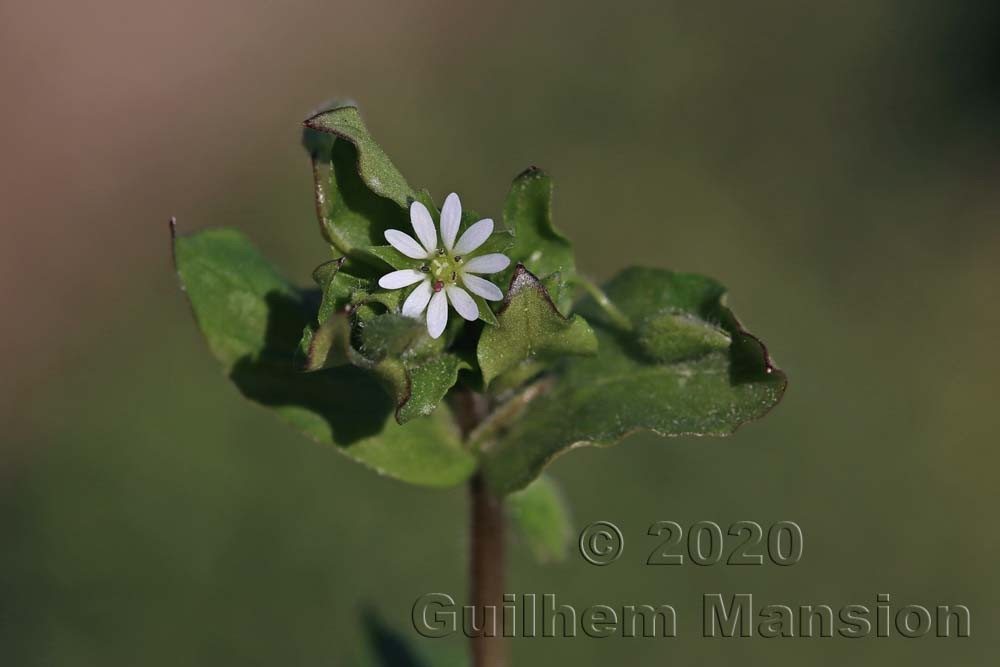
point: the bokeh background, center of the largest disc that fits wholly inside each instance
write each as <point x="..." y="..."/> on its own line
<point x="834" y="164"/>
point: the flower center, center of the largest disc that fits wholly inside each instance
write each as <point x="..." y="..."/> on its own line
<point x="443" y="269"/>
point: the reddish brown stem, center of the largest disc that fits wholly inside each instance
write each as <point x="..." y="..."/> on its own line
<point x="486" y="570"/>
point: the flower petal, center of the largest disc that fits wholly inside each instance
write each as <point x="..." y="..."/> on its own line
<point x="437" y="314"/>
<point x="464" y="304"/>
<point x="401" y="278"/>
<point x="451" y="218"/>
<point x="487" y="263"/>
<point x="474" y="237"/>
<point x="405" y="244"/>
<point x="483" y="288"/>
<point x="417" y="301"/>
<point x="423" y="225"/>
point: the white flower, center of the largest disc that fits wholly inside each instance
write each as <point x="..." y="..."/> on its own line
<point x="445" y="269"/>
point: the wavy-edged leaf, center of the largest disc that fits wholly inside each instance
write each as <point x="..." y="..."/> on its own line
<point x="678" y="335"/>
<point x="373" y="165"/>
<point x="326" y="342"/>
<point x="338" y="287"/>
<point x="327" y="345"/>
<point x="540" y="517"/>
<point x="252" y="319"/>
<point x="414" y="368"/>
<point x="599" y="400"/>
<point x="419" y="387"/>
<point x="537" y="243"/>
<point x="398" y="336"/>
<point x="530" y="331"/>
<point x="359" y="193"/>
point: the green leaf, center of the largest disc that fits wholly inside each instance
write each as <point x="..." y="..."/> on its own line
<point x="329" y="344"/>
<point x="394" y="335"/>
<point x="415" y="370"/>
<point x="326" y="343"/>
<point x="419" y="388"/>
<point x="540" y="517"/>
<point x="359" y="192"/>
<point x="338" y="287"/>
<point x="486" y="313"/>
<point x="530" y="331"/>
<point x="501" y="240"/>
<point x="388" y="647"/>
<point x="252" y="319"/>
<point x="394" y="258"/>
<point x="537" y="243"/>
<point x="412" y="367"/>
<point x="628" y="386"/>
<point x="373" y="165"/>
<point x="679" y="335"/>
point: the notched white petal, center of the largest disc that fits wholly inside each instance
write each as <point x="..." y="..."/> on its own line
<point x="401" y="278"/>
<point x="417" y="301"/>
<point x="490" y="263"/>
<point x="423" y="225"/>
<point x="464" y="304"/>
<point x="437" y="314"/>
<point x="481" y="287"/>
<point x="405" y="244"/>
<point x="474" y="237"/>
<point x="451" y="218"/>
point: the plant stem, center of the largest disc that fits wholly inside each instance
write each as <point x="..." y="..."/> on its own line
<point x="486" y="569"/>
<point x="486" y="429"/>
<point x="486" y="544"/>
<point x="617" y="317"/>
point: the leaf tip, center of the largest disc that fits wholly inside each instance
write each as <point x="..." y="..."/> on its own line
<point x="521" y="280"/>
<point x="327" y="107"/>
<point x="531" y="172"/>
<point x="172" y="225"/>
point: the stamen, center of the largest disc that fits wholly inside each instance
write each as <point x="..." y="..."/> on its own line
<point x="438" y="285"/>
<point x="454" y="276"/>
<point x="458" y="258"/>
<point x="425" y="268"/>
<point x="440" y="251"/>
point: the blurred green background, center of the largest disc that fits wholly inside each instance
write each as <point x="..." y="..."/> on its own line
<point x="834" y="164"/>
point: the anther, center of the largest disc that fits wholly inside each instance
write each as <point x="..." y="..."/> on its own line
<point x="425" y="268"/>
<point x="438" y="285"/>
